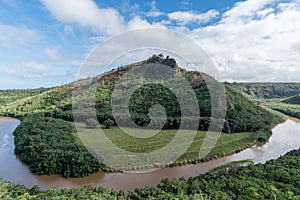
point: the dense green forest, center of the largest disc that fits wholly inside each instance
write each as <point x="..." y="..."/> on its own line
<point x="277" y="179"/>
<point x="48" y="145"/>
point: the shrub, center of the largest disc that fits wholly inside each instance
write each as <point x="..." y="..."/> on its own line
<point x="108" y="123"/>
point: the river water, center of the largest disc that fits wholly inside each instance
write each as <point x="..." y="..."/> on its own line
<point x="286" y="137"/>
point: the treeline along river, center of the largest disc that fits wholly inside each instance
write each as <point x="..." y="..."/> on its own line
<point x="285" y="137"/>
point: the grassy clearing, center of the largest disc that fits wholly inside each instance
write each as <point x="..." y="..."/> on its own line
<point x="227" y="143"/>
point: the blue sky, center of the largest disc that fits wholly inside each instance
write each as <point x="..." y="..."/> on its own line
<point x="44" y="42"/>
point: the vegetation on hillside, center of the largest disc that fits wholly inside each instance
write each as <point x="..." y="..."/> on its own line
<point x="282" y="97"/>
<point x="277" y="179"/>
<point x="55" y="102"/>
<point x="280" y="105"/>
<point x="9" y="96"/>
<point x="242" y="114"/>
<point x="293" y="100"/>
<point x="267" y="90"/>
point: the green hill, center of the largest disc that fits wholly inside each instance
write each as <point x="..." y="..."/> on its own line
<point x="293" y="100"/>
<point x="242" y="114"/>
<point x="47" y="136"/>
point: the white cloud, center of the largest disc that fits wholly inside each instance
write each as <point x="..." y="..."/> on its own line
<point x="86" y="13"/>
<point x="37" y="67"/>
<point x="25" y="70"/>
<point x="247" y="11"/>
<point x="191" y="16"/>
<point x="255" y="41"/>
<point x="53" y="53"/>
<point x="13" y="36"/>
<point x="13" y="73"/>
<point x="154" y="12"/>
<point x="102" y="20"/>
<point x="137" y="23"/>
<point x="69" y="30"/>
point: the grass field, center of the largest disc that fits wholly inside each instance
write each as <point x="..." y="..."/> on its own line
<point x="227" y="143"/>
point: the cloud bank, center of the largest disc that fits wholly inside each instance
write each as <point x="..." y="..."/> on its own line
<point x="253" y="41"/>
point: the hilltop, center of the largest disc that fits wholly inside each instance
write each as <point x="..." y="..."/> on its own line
<point x="242" y="114"/>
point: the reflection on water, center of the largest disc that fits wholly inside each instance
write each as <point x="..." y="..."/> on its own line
<point x="285" y="137"/>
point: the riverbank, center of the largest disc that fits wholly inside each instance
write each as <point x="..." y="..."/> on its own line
<point x="294" y="119"/>
<point x="255" y="182"/>
<point x="57" y="147"/>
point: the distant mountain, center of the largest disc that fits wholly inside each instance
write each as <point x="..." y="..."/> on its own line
<point x="242" y="114"/>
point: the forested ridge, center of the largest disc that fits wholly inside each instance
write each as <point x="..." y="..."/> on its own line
<point x="277" y="179"/>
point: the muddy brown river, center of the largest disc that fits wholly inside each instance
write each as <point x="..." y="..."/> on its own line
<point x="285" y="137"/>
